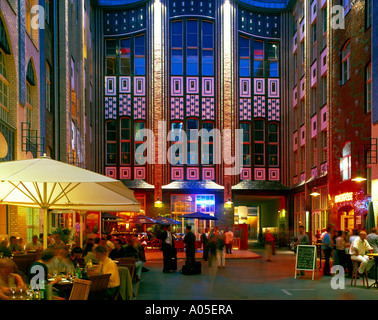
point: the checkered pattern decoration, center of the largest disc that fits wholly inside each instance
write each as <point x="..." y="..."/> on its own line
<point x="259" y="106"/>
<point x="193" y="174"/>
<point x="111" y="172"/>
<point x="140" y="173"/>
<point x="110" y="108"/>
<point x="125" y="105"/>
<point x="274" y="174"/>
<point x="177" y="173"/>
<point x="125" y="84"/>
<point x="139" y="108"/>
<point x="245" y="109"/>
<point x="208" y="109"/>
<point x="246" y="174"/>
<point x="208" y="174"/>
<point x="192" y="106"/>
<point x="260" y="174"/>
<point x="274" y="110"/>
<point x="177" y="108"/>
<point x="125" y="173"/>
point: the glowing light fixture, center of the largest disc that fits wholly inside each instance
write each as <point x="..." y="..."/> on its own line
<point x="315" y="193"/>
<point x="359" y="177"/>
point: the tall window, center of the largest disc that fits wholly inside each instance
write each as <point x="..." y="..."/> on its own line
<point x="111" y="144"/>
<point x="347" y="6"/>
<point x="303" y="160"/>
<point x="177" y="53"/>
<point x="369" y="11"/>
<point x="48" y="87"/>
<point x="111" y="57"/>
<point x="314" y="152"/>
<point x="208" y="144"/>
<point x="273" y="144"/>
<point x="345" y="63"/>
<point x="125" y="56"/>
<point x="207" y="48"/>
<point x="177" y="143"/>
<point x="4" y="101"/>
<point x="125" y="141"/>
<point x="192" y="132"/>
<point x="192" y="48"/>
<point x="346" y="162"/>
<point x="28" y="16"/>
<point x="139" y="139"/>
<point x="140" y="56"/>
<point x="368" y="88"/>
<point x="244" y="53"/>
<point x="246" y="127"/>
<point x="258" y="56"/>
<point x="259" y="143"/>
<point x="273" y="58"/>
<point x="325" y="146"/>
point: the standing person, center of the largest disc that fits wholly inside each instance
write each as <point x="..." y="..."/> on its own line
<point x="302" y="241"/>
<point x="269" y="245"/>
<point x="168" y="248"/>
<point x="229" y="238"/>
<point x="327" y="249"/>
<point x="221" y="253"/>
<point x="341" y="245"/>
<point x="213" y="246"/>
<point x="190" y="244"/>
<point x="205" y="244"/>
<point x="358" y="251"/>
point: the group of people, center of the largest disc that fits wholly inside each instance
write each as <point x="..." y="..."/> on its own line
<point x="215" y="243"/>
<point x="58" y="260"/>
<point x="344" y="247"/>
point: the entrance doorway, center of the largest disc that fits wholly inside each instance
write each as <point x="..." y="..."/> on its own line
<point x="249" y="216"/>
<point x="346" y="219"/>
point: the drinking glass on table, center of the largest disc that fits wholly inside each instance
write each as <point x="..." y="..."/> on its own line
<point x="13" y="290"/>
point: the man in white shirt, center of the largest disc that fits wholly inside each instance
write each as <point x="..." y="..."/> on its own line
<point x="34" y="245"/>
<point x="105" y="266"/>
<point x="358" y="251"/>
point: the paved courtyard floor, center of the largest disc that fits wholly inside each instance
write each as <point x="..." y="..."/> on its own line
<point x="247" y="276"/>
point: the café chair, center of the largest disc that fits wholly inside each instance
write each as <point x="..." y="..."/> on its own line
<point x="355" y="274"/>
<point x="80" y="289"/>
<point x="99" y="285"/>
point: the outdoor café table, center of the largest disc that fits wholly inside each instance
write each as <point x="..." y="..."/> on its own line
<point x="64" y="287"/>
<point x="375" y="256"/>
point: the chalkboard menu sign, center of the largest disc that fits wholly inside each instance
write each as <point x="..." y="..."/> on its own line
<point x="306" y="259"/>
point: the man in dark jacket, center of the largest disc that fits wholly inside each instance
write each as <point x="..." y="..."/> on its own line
<point x="168" y="248"/>
<point x="190" y="241"/>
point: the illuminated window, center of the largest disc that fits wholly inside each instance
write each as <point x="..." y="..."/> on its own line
<point x="207" y="48"/>
<point x="346" y="162"/>
<point x="273" y="59"/>
<point x="258" y="56"/>
<point x="244" y="54"/>
<point x="125" y="56"/>
<point x="177" y="143"/>
<point x="177" y="52"/>
<point x="192" y="48"/>
<point x="140" y="56"/>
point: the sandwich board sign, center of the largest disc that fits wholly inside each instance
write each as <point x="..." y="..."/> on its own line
<point x="306" y="259"/>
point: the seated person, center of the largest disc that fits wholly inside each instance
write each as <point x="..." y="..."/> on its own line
<point x="8" y="277"/>
<point x="89" y="254"/>
<point x="358" y="250"/>
<point x="132" y="252"/>
<point x="14" y="246"/>
<point x="118" y="251"/>
<point x="106" y="266"/>
<point x="34" y="245"/>
<point x="61" y="263"/>
<point x="5" y="249"/>
<point x="74" y="254"/>
<point x="35" y="271"/>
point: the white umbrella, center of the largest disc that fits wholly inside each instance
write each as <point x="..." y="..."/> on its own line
<point x="52" y="185"/>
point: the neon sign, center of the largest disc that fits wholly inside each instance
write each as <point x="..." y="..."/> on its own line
<point x="348" y="196"/>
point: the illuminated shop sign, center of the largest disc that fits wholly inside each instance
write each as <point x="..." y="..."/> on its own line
<point x="348" y="196"/>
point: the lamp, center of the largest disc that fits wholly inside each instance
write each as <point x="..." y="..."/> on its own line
<point x="158" y="203"/>
<point x="229" y="203"/>
<point x="315" y="193"/>
<point x="359" y="177"/>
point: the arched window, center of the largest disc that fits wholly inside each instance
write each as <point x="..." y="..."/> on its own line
<point x="346" y="162"/>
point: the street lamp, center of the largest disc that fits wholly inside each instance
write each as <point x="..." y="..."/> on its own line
<point x="315" y="193"/>
<point x="359" y="177"/>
